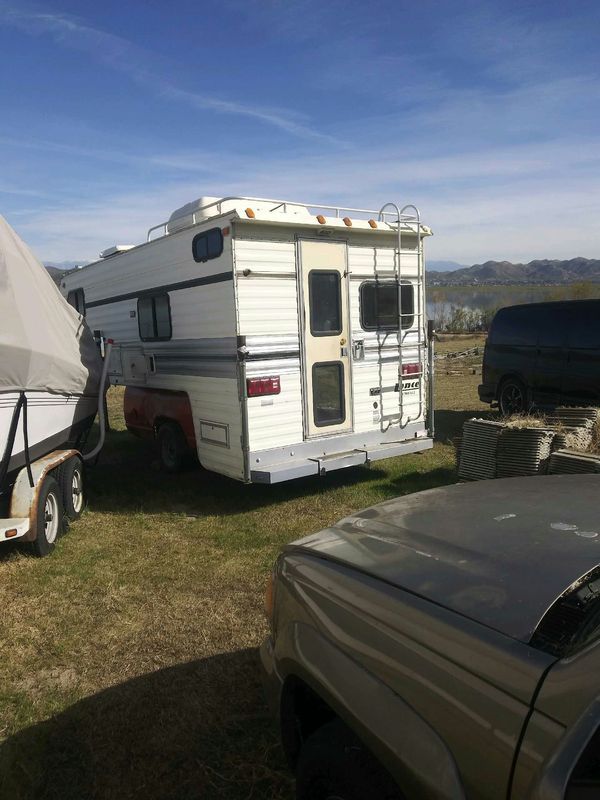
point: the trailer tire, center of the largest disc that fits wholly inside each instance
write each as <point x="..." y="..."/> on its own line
<point x="72" y="485"/>
<point x="49" y="519"/>
<point x="172" y="447"/>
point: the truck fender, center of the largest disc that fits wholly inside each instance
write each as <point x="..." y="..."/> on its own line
<point x="404" y="743"/>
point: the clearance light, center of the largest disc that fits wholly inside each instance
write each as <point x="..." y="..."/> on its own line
<point x="259" y="387"/>
<point x="10" y="533"/>
<point x="321" y="219"/>
<point x="347" y="221"/>
<point x="250" y="213"/>
<point x="225" y="231"/>
<point x="411" y="369"/>
<point x="372" y="223"/>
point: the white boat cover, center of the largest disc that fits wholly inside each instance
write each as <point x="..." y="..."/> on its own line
<point x="45" y="345"/>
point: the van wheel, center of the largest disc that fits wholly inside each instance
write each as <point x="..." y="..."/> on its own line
<point x="512" y="397"/>
<point x="334" y="764"/>
<point x="49" y="521"/>
<point x="72" y="484"/>
<point x="172" y="447"/>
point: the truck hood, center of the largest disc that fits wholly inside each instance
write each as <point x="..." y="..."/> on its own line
<point x="500" y="552"/>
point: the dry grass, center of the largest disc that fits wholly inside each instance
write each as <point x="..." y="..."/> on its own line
<point x="128" y="664"/>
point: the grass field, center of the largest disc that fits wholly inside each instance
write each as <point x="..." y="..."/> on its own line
<point x="128" y="665"/>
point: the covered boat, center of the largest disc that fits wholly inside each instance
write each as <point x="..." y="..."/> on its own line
<point x="50" y="366"/>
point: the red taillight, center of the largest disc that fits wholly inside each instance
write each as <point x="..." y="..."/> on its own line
<point x="256" y="387"/>
<point x="411" y="369"/>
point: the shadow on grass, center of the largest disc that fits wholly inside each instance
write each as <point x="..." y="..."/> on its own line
<point x="420" y="481"/>
<point x="127" y="478"/>
<point x="197" y="730"/>
<point x="449" y="423"/>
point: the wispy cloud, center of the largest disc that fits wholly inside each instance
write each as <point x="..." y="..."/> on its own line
<point x="501" y="203"/>
<point x="121" y="54"/>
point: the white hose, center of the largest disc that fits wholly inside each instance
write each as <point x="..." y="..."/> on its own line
<point x="101" y="403"/>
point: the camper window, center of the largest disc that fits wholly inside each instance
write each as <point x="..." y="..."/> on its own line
<point x="379" y="306"/>
<point x="207" y="245"/>
<point x="76" y="298"/>
<point x="325" y="302"/>
<point x="328" y="393"/>
<point x="154" y="317"/>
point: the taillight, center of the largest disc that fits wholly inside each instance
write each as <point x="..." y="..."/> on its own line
<point x="257" y="387"/>
<point x="411" y="369"/>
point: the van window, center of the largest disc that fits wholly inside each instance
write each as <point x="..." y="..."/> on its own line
<point x="76" y="298"/>
<point x="516" y="326"/>
<point x="207" y="245"/>
<point x="584" y="326"/>
<point x="154" y="317"/>
<point x="552" y="326"/>
<point x="325" y="297"/>
<point x="379" y="306"/>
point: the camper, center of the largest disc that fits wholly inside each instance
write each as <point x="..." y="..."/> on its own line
<point x="273" y="339"/>
<point x="52" y="384"/>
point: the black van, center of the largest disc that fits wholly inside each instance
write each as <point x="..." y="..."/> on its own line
<point x="544" y="354"/>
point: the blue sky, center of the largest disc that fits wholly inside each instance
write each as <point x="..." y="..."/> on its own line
<point x="485" y="114"/>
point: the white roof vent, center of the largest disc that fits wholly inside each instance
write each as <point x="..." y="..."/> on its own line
<point x="182" y="217"/>
<point x="116" y="249"/>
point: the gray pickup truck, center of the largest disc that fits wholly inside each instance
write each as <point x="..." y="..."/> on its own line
<point x="444" y="645"/>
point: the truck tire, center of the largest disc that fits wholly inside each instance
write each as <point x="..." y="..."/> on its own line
<point x="334" y="764"/>
<point x="72" y="485"/>
<point x="512" y="397"/>
<point x="49" y="520"/>
<point x="172" y="447"/>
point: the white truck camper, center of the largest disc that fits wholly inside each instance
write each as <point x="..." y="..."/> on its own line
<point x="272" y="338"/>
<point x="51" y="386"/>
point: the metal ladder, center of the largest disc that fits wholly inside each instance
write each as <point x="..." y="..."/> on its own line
<point x="408" y="221"/>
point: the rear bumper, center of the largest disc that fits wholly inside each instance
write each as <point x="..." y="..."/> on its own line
<point x="487" y="392"/>
<point x="305" y="460"/>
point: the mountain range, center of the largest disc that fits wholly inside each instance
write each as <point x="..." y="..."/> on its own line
<point x="541" y="271"/>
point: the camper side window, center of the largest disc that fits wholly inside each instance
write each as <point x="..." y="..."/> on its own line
<point x="76" y="298"/>
<point x="207" y="245"/>
<point x="154" y="317"/>
<point x="379" y="306"/>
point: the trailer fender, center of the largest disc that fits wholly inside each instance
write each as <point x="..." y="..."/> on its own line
<point x="23" y="501"/>
<point x="404" y="743"/>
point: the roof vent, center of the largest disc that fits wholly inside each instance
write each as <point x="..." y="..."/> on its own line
<point x="184" y="216"/>
<point x="115" y="250"/>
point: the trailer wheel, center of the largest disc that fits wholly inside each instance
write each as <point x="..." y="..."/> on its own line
<point x="72" y="485"/>
<point x="49" y="519"/>
<point x="172" y="447"/>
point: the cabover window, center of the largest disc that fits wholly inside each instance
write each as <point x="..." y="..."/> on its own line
<point x="154" y="317"/>
<point x="379" y="305"/>
<point x="207" y="245"/>
<point x="76" y="298"/>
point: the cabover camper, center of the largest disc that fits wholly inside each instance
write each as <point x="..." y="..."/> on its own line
<point x="272" y="338"/>
<point x="51" y="386"/>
